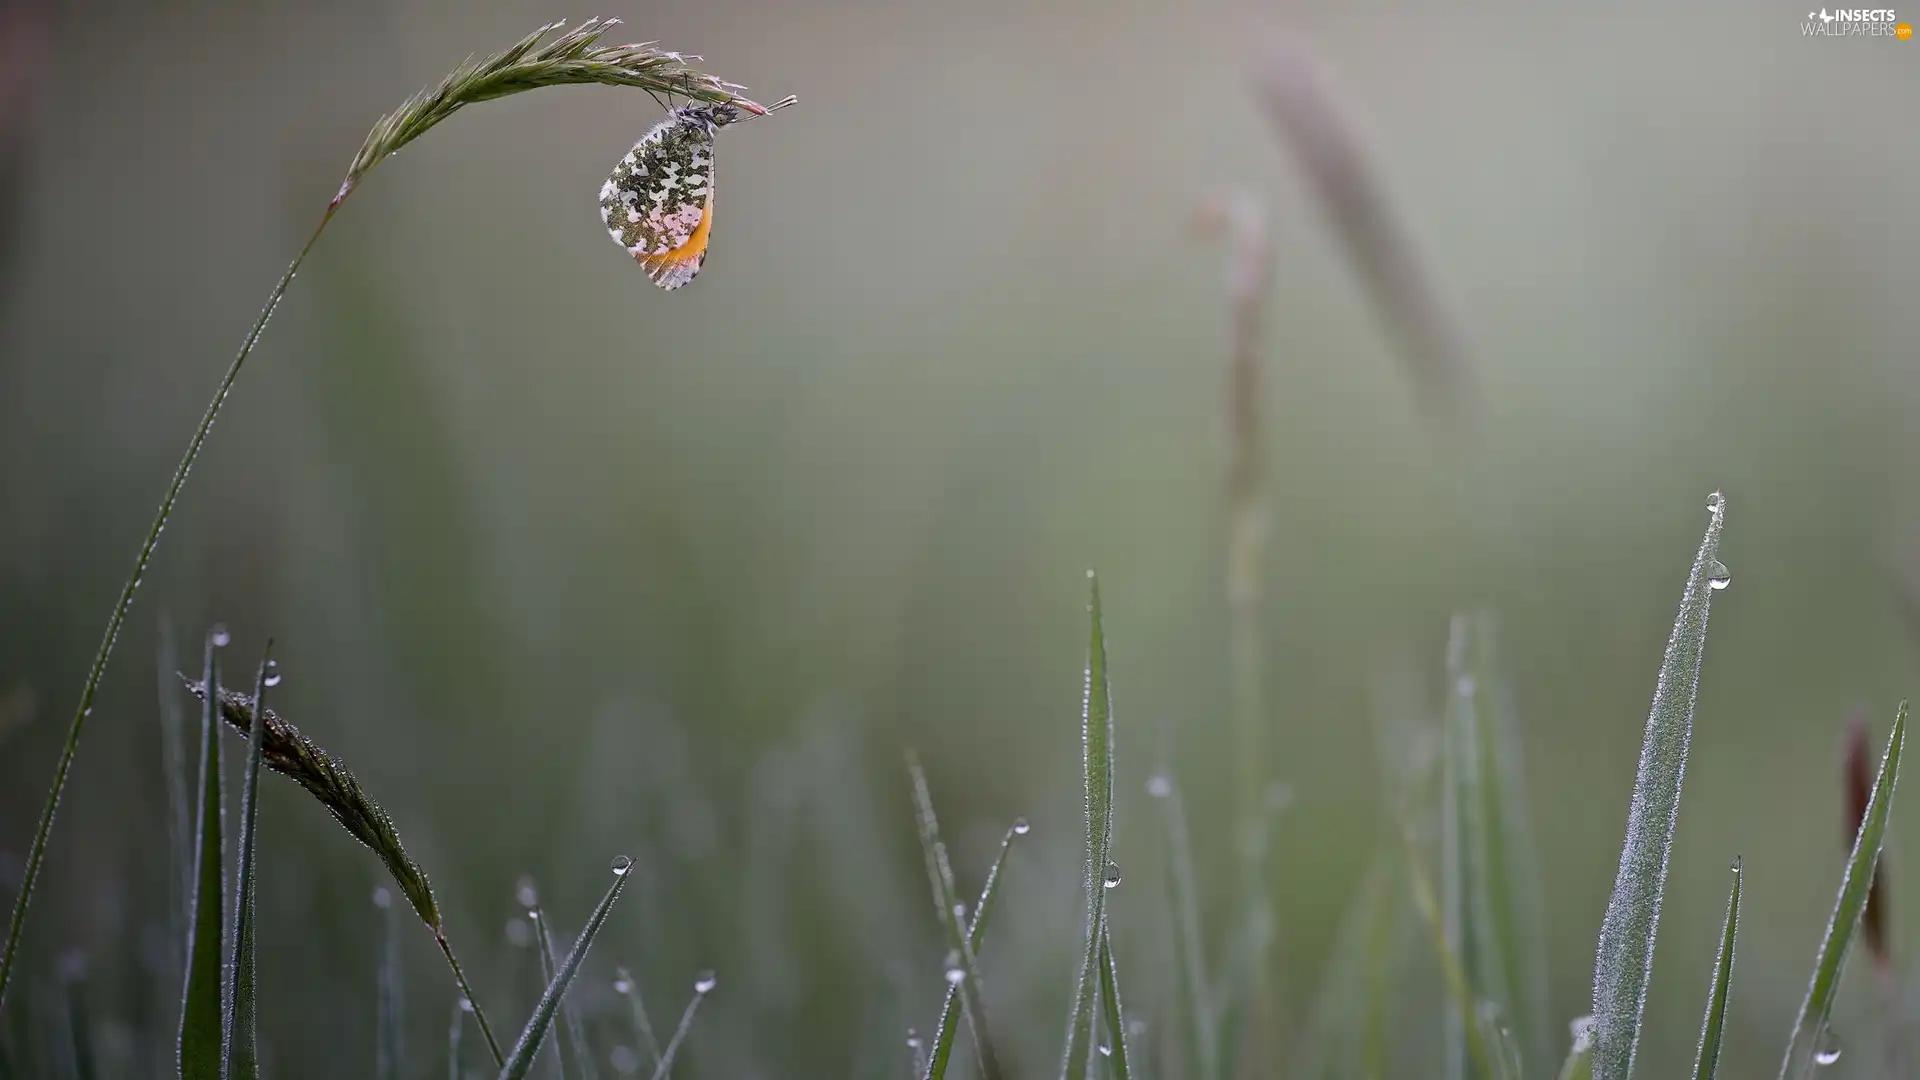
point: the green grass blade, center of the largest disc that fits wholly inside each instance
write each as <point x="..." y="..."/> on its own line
<point x="201" y="1015"/>
<point x="1465" y="1012"/>
<point x="1707" y="1061"/>
<point x="934" y="1067"/>
<point x="389" y="1050"/>
<point x="1579" y="1063"/>
<point x="174" y="755"/>
<point x="241" y="1049"/>
<point x="1804" y="1046"/>
<point x="576" y="1060"/>
<point x="1349" y="1032"/>
<point x="625" y="986"/>
<point x="1503" y="1049"/>
<point x="543" y="948"/>
<point x="1097" y="768"/>
<point x="702" y="986"/>
<point x="1183" y="893"/>
<point x="1503" y="944"/>
<point x="1116" y="1049"/>
<point x="1623" y="961"/>
<point x="963" y="966"/>
<point x="521" y="1060"/>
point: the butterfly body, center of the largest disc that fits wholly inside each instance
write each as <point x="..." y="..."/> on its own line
<point x="658" y="203"/>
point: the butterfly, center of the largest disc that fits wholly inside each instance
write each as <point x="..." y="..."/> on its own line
<point x="658" y="204"/>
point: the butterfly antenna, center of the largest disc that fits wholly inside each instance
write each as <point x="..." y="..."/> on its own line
<point x="757" y="109"/>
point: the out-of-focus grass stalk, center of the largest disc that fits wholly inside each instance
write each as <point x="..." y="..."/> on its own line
<point x="1242" y="220"/>
<point x="1328" y="149"/>
<point x="573" y="58"/>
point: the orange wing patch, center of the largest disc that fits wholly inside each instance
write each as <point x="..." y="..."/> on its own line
<point x="677" y="267"/>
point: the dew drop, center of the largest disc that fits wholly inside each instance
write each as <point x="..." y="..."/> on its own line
<point x="1717" y="575"/>
<point x="219" y="636"/>
<point x="1159" y="786"/>
<point x="704" y="982"/>
<point x="1583" y="1030"/>
<point x="1105" y="1050"/>
<point x="913" y="1039"/>
<point x="1113" y="875"/>
<point x="623" y="986"/>
<point x="382" y="899"/>
<point x="621" y="864"/>
<point x="1464" y="686"/>
<point x="1717" y="504"/>
<point x="956" y="976"/>
<point x="466" y="1005"/>
<point x="1827" y="1051"/>
<point x="525" y="891"/>
<point x="270" y="676"/>
<point x="1021" y="827"/>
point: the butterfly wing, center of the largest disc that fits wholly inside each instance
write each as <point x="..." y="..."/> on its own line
<point x="658" y="203"/>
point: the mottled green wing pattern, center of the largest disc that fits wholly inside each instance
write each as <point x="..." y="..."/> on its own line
<point x="653" y="203"/>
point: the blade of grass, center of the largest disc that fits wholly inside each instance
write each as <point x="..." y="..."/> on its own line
<point x="201" y="1013"/>
<point x="1623" y="962"/>
<point x="934" y="1065"/>
<point x="1346" y="1033"/>
<point x="1096" y="736"/>
<point x="536" y="1030"/>
<point x="1507" y="865"/>
<point x="1713" y="1026"/>
<point x="1188" y="941"/>
<point x="390" y="1055"/>
<point x="1503" y="1048"/>
<point x="1855" y="888"/>
<point x="573" y="58"/>
<point x="241" y="1049"/>
<point x="1116" y="1017"/>
<point x="576" y="1058"/>
<point x="963" y="969"/>
<point x="1579" y="1063"/>
<point x="625" y="986"/>
<point x="1451" y="971"/>
<point x="327" y="778"/>
<point x="543" y="948"/>
<point x="1238" y="1002"/>
<point x="174" y="751"/>
<point x="702" y="986"/>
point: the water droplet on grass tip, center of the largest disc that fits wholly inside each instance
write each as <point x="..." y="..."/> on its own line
<point x="705" y="982"/>
<point x="1159" y="786"/>
<point x="956" y="976"/>
<point x="1020" y="826"/>
<point x="219" y="636"/>
<point x="623" y="986"/>
<point x="466" y="1005"/>
<point x="1105" y="1050"/>
<point x="271" y="675"/>
<point x="1113" y="875"/>
<point x="382" y="899"/>
<point x="621" y="865"/>
<point x="1717" y="504"/>
<point x="1717" y="575"/>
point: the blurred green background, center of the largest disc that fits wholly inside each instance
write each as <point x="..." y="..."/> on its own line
<point x="565" y="567"/>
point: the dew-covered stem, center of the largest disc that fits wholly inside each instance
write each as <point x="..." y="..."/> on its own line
<point x="1624" y="960"/>
<point x="1713" y="1025"/>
